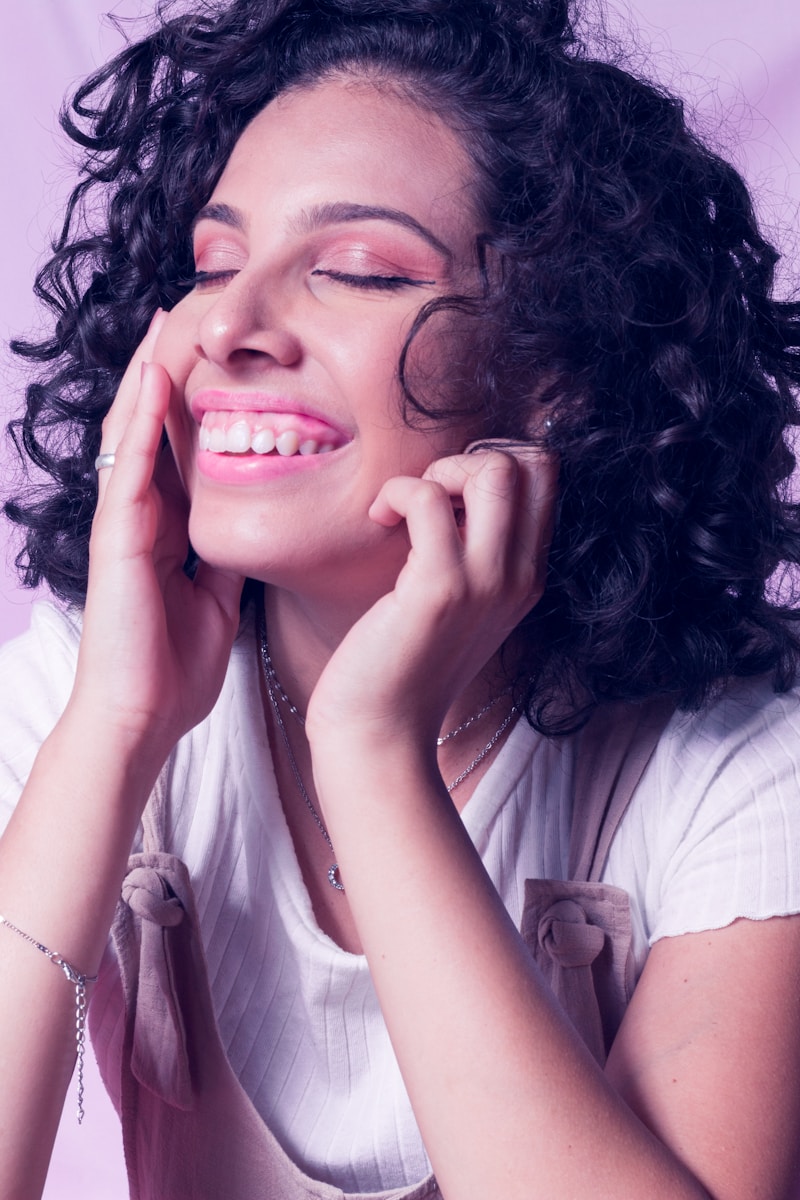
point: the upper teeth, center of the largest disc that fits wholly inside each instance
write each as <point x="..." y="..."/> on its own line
<point x="240" y="438"/>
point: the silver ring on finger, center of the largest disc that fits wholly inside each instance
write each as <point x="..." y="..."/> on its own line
<point x="105" y="461"/>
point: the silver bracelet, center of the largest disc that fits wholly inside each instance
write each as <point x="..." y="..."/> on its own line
<point x="79" y="981"/>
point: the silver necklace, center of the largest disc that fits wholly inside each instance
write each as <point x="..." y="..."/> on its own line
<point x="271" y="674"/>
<point x="333" y="869"/>
<point x="276" y="693"/>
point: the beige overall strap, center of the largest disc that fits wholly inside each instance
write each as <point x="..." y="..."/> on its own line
<point x="154" y="817"/>
<point x="612" y="753"/>
<point x="578" y="929"/>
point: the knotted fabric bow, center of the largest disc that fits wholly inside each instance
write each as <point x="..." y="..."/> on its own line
<point x="160" y="1057"/>
<point x="580" y="935"/>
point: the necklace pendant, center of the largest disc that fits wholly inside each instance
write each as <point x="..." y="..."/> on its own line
<point x="333" y="878"/>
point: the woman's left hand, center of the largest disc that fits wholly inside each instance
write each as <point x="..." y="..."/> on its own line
<point x="479" y="525"/>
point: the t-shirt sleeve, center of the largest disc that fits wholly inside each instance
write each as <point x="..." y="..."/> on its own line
<point x="36" y="674"/>
<point x="715" y="823"/>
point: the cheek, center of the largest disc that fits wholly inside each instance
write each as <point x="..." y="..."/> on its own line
<point x="360" y="345"/>
<point x="367" y="364"/>
<point x="361" y="361"/>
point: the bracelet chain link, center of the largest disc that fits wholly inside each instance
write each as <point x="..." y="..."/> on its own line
<point x="79" y="982"/>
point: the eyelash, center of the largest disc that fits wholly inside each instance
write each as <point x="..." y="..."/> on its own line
<point x="200" y="277"/>
<point x="385" y="283"/>
<point x="381" y="283"/>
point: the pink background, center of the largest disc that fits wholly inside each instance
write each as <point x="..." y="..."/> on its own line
<point x="739" y="63"/>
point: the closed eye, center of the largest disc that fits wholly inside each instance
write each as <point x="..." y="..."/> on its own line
<point x="203" y="279"/>
<point x="386" y="283"/>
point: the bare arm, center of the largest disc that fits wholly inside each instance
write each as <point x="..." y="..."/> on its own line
<point x="151" y="662"/>
<point x="508" y="1101"/>
<point x="701" y="1097"/>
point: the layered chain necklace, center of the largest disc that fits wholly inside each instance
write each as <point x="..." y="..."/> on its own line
<point x="277" y="695"/>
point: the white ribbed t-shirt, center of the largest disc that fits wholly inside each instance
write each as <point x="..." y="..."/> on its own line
<point x="712" y="834"/>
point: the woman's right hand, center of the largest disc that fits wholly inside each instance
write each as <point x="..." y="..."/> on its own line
<point x="152" y="658"/>
<point x="155" y="644"/>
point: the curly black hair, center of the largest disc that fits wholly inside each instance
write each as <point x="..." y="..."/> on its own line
<point x="627" y="289"/>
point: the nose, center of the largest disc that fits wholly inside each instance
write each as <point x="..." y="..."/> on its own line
<point x="244" y="326"/>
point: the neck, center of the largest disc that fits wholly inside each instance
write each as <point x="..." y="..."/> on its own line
<point x="303" y="634"/>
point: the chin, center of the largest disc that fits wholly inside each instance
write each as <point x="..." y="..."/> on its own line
<point x="221" y="544"/>
<point x="255" y="551"/>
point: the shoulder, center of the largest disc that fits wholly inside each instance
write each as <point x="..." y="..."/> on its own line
<point x="742" y="750"/>
<point x="37" y="668"/>
<point x="36" y="675"/>
<point x="746" y="710"/>
<point x="713" y="830"/>
<point x="53" y="627"/>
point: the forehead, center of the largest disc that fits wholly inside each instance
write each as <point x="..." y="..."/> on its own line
<point x="356" y="141"/>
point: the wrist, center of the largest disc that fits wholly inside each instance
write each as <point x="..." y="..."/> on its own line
<point x="409" y="730"/>
<point x="356" y="766"/>
<point x="105" y="745"/>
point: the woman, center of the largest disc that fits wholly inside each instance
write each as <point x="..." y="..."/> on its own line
<point x="467" y="363"/>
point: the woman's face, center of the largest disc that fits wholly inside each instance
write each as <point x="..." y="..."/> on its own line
<point x="342" y="210"/>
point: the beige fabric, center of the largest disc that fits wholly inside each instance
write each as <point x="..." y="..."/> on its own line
<point x="579" y="931"/>
<point x="189" y="1129"/>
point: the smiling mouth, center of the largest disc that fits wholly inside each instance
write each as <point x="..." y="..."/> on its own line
<point x="282" y="435"/>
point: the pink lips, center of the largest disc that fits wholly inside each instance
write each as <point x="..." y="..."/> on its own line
<point x="288" y="420"/>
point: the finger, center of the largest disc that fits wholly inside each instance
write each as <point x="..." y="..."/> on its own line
<point x="137" y="451"/>
<point x="117" y="417"/>
<point x="178" y="425"/>
<point x="537" y="478"/>
<point x="171" y="544"/>
<point x="538" y="492"/>
<point x="426" y="508"/>
<point x="508" y="498"/>
<point x="486" y="486"/>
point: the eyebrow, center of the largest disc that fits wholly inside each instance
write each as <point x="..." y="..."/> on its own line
<point x="340" y="212"/>
<point x="333" y="213"/>
<point x="224" y="214"/>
